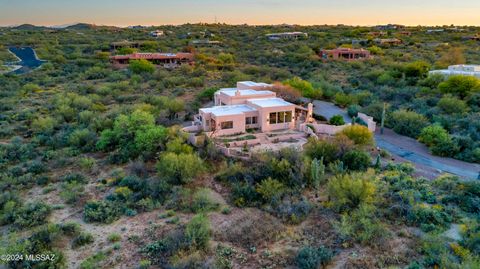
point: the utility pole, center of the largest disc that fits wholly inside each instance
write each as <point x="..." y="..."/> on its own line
<point x="383" y="118"/>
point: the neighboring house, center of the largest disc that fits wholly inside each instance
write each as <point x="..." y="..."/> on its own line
<point x="375" y="34"/>
<point x="249" y="106"/>
<point x="287" y="35"/>
<point x="388" y="41"/>
<point x="431" y="31"/>
<point x="168" y="60"/>
<point x="345" y="54"/>
<point x="474" y="37"/>
<point x="461" y="69"/>
<point x="390" y="27"/>
<point x="206" y="42"/>
<point x="157" y="33"/>
<point x="405" y="33"/>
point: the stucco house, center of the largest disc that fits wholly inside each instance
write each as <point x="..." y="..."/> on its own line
<point x="460" y="69"/>
<point x="249" y="106"/>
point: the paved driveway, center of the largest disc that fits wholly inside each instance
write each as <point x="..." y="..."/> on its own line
<point x="329" y="110"/>
<point x="406" y="147"/>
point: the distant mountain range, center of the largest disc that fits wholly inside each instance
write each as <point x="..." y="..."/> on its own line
<point x="71" y="26"/>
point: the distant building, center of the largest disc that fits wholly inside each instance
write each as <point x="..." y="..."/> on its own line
<point x="137" y="27"/>
<point x="405" y="33"/>
<point x="461" y="69"/>
<point x="375" y="34"/>
<point x="390" y="27"/>
<point x="345" y="54"/>
<point x="287" y="35"/>
<point x="474" y="37"/>
<point x="206" y="42"/>
<point x="388" y="41"/>
<point x="432" y="31"/>
<point x="168" y="60"/>
<point x="157" y="33"/>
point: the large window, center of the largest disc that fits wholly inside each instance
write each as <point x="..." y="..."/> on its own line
<point x="273" y="118"/>
<point x="280" y="117"/>
<point x="226" y="125"/>
<point x="251" y="120"/>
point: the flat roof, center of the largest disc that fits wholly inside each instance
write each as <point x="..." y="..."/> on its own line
<point x="243" y="92"/>
<point x="270" y="102"/>
<point x="228" y="110"/>
<point x="253" y="84"/>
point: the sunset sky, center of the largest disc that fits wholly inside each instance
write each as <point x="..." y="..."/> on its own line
<point x="157" y="12"/>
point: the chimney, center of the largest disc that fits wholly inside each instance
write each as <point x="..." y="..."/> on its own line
<point x="237" y="92"/>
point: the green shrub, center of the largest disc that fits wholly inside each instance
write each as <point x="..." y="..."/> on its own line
<point x="101" y="211"/>
<point x="141" y="66"/>
<point x="270" y="189"/>
<point x="313" y="258"/>
<point x="203" y="201"/>
<point x="359" y="134"/>
<point x="32" y="214"/>
<point x="114" y="237"/>
<point x="361" y="225"/>
<point x="179" y="168"/>
<point x="82" y="239"/>
<point x="407" y="123"/>
<point x="71" y="192"/>
<point x="460" y="85"/>
<point x="349" y="191"/>
<point x="357" y="160"/>
<point x="198" y="233"/>
<point x="318" y="149"/>
<point x="337" y="120"/>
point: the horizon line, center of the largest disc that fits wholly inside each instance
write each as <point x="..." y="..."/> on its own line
<point x="230" y="24"/>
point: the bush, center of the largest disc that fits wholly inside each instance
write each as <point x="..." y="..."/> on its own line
<point x="349" y="191"/>
<point x="357" y="160"/>
<point x="353" y="110"/>
<point x="305" y="87"/>
<point x="179" y="168"/>
<point x="82" y="239"/>
<point x="313" y="258"/>
<point x="114" y="237"/>
<point x="203" y="201"/>
<point x="141" y="66"/>
<point x="450" y="105"/>
<point x="32" y="214"/>
<point x="101" y="211"/>
<point x="318" y="149"/>
<point x="337" y="120"/>
<point x="438" y="140"/>
<point x="460" y="85"/>
<point x="359" y="134"/>
<point x="361" y="225"/>
<point x="197" y="232"/>
<point x="408" y="123"/>
<point x="270" y="189"/>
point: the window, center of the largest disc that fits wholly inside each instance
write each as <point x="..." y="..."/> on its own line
<point x="226" y="125"/>
<point x="251" y="120"/>
<point x="281" y="117"/>
<point x="288" y="116"/>
<point x="273" y="118"/>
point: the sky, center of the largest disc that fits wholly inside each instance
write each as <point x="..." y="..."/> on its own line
<point x="304" y="12"/>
